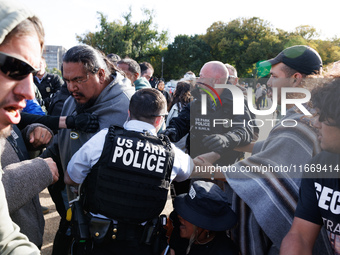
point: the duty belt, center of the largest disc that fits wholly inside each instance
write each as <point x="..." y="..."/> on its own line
<point x="102" y="230"/>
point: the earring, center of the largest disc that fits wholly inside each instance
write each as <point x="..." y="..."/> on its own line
<point x="208" y="234"/>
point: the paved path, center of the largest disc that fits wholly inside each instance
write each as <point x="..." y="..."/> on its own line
<point x="51" y="222"/>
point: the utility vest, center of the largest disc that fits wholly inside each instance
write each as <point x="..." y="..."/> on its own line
<point x="130" y="181"/>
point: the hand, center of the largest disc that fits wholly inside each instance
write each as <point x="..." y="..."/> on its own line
<point x="54" y="169"/>
<point x="85" y="122"/>
<point x="216" y="142"/>
<point x="39" y="137"/>
<point x="171" y="133"/>
<point x="200" y="171"/>
<point x="208" y="158"/>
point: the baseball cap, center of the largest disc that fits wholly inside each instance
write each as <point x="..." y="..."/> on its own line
<point x="11" y="14"/>
<point x="206" y="206"/>
<point x="301" y="58"/>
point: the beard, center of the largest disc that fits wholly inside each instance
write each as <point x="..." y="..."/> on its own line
<point x="81" y="108"/>
<point x="5" y="132"/>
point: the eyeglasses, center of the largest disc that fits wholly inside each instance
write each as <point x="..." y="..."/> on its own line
<point x="78" y="79"/>
<point x="15" y="68"/>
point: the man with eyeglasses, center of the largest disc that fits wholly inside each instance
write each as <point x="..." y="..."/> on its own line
<point x="127" y="174"/>
<point x="21" y="43"/>
<point x="97" y="87"/>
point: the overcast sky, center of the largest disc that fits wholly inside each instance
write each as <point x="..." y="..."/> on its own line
<point x="63" y="19"/>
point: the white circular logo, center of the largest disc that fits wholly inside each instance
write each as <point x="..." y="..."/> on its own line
<point x="74" y="135"/>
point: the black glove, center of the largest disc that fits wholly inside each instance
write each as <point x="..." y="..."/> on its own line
<point x="171" y="133"/>
<point x="216" y="142"/>
<point x="85" y="122"/>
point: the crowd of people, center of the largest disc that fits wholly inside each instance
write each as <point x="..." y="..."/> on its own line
<point x="110" y="141"/>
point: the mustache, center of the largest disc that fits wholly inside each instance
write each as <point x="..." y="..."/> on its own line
<point x="77" y="94"/>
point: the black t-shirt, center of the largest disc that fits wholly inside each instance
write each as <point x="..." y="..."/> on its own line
<point x="319" y="198"/>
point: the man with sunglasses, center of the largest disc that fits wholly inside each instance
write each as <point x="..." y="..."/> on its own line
<point x="128" y="173"/>
<point x="97" y="87"/>
<point x="21" y="43"/>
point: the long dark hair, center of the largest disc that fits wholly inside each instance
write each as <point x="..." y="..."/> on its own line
<point x="91" y="58"/>
<point x="182" y="95"/>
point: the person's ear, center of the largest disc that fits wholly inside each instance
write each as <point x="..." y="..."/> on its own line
<point x="101" y="75"/>
<point x="158" y="120"/>
<point x="296" y="79"/>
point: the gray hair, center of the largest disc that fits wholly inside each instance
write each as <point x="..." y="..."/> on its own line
<point x="230" y="67"/>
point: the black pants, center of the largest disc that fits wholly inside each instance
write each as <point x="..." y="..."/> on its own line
<point x="258" y="102"/>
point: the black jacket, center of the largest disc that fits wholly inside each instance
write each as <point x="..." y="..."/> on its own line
<point x="191" y="120"/>
<point x="50" y="84"/>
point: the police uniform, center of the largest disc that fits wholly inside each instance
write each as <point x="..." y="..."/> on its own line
<point x="129" y="172"/>
<point x="48" y="86"/>
<point x="191" y="119"/>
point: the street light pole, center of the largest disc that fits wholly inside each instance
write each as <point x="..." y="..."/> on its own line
<point x="162" y="66"/>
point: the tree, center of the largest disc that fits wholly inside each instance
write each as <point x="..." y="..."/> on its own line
<point x="185" y="54"/>
<point x="242" y="42"/>
<point x="306" y="32"/>
<point x="135" y="40"/>
<point x="54" y="70"/>
<point x="329" y="50"/>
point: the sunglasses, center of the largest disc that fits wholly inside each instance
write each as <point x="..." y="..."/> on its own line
<point x="15" y="68"/>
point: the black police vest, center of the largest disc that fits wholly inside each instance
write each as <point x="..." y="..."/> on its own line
<point x="203" y="125"/>
<point x="131" y="179"/>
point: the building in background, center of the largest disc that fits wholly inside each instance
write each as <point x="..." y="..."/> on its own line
<point x="54" y="56"/>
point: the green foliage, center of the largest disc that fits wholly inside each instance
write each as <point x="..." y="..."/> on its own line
<point x="241" y="42"/>
<point x="185" y="54"/>
<point x="54" y="70"/>
<point x="127" y="39"/>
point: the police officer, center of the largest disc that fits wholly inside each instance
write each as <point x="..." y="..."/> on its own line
<point x="128" y="184"/>
<point x="47" y="83"/>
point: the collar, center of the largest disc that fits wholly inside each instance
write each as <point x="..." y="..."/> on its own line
<point x="140" y="126"/>
<point x="40" y="80"/>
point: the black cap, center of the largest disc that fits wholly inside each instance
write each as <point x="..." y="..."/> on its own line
<point x="301" y="58"/>
<point x="206" y="206"/>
